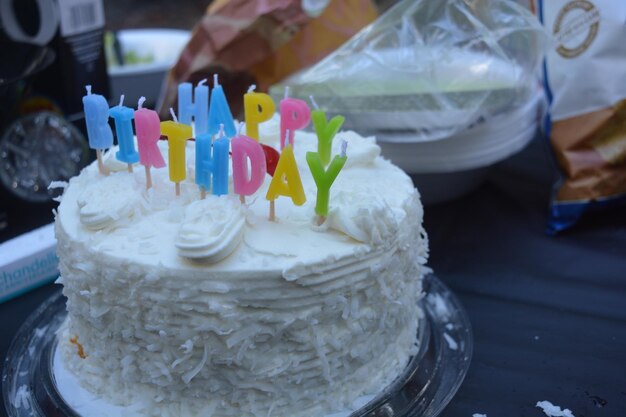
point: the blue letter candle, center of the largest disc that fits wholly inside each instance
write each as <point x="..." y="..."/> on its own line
<point x="212" y="162"/>
<point x="97" y="119"/>
<point x="219" y="112"/>
<point x="198" y="107"/>
<point x="123" y="117"/>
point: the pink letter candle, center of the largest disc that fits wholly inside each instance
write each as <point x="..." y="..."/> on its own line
<point x="247" y="181"/>
<point x="294" y="114"/>
<point x="97" y="119"/>
<point x="177" y="135"/>
<point x="148" y="130"/>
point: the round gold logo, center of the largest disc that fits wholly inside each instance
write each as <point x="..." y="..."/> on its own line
<point x="575" y="28"/>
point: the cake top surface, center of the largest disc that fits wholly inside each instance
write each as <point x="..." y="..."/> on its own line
<point x="116" y="218"/>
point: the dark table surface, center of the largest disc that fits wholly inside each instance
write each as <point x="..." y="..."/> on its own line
<point x="548" y="313"/>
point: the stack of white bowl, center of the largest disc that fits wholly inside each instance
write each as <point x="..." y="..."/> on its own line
<point x="449" y="168"/>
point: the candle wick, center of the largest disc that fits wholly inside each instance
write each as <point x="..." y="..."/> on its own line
<point x="221" y="133"/>
<point x="88" y="88"/>
<point x="240" y="128"/>
<point x="287" y="137"/>
<point x="344" y="147"/>
<point x="314" y="103"/>
<point x="287" y="91"/>
<point x="173" y="115"/>
<point x="142" y="99"/>
<point x="215" y="81"/>
<point x="252" y="88"/>
<point x="202" y="82"/>
<point x="121" y="100"/>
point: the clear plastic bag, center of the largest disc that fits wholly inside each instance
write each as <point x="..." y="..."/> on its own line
<point x="428" y="69"/>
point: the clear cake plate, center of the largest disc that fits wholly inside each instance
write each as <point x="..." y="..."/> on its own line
<point x="33" y="386"/>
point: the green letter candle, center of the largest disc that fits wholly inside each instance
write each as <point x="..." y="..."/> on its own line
<point x="326" y="131"/>
<point x="324" y="179"/>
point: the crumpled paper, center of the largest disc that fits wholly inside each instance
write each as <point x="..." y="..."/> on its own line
<point x="261" y="42"/>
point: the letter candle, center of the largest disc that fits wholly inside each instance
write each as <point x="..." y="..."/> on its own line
<point x="177" y="135"/>
<point x="198" y="107"/>
<point x="325" y="178"/>
<point x="123" y="117"/>
<point x="219" y="112"/>
<point x="286" y="181"/>
<point x="147" y="127"/>
<point x="247" y="181"/>
<point x="212" y="163"/>
<point x="98" y="130"/>
<point x="294" y="114"/>
<point x="258" y="107"/>
<point x="325" y="131"/>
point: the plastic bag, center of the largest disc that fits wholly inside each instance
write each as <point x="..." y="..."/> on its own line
<point x="429" y="69"/>
<point x="586" y="81"/>
<point x="261" y="42"/>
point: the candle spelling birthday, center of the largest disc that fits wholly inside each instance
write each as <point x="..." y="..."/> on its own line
<point x="123" y="117"/>
<point x="148" y="130"/>
<point x="249" y="166"/>
<point x="212" y="163"/>
<point x="177" y="136"/>
<point x="258" y="108"/>
<point x="98" y="130"/>
<point x="196" y="108"/>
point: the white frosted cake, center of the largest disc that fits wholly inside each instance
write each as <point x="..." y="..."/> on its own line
<point x="194" y="306"/>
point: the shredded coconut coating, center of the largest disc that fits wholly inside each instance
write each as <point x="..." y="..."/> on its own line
<point x="296" y="319"/>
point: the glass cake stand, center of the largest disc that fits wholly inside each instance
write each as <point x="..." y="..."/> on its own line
<point x="431" y="379"/>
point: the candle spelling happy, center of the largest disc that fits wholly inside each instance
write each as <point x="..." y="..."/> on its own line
<point x="123" y="117"/>
<point x="294" y="114"/>
<point x="258" y="108"/>
<point x="147" y="127"/>
<point x="98" y="130"/>
<point x="196" y="107"/>
<point x="325" y="130"/>
<point x="219" y="111"/>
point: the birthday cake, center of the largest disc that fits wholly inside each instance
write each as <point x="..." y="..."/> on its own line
<point x="203" y="306"/>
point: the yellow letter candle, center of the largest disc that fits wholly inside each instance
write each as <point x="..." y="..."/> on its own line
<point x="258" y="107"/>
<point x="177" y="135"/>
<point x="286" y="180"/>
<point x="324" y="179"/>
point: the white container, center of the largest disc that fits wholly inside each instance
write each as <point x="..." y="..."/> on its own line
<point x="449" y="168"/>
<point x="146" y="79"/>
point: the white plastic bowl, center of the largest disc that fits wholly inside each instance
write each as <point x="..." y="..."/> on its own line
<point x="450" y="168"/>
<point x="146" y="79"/>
